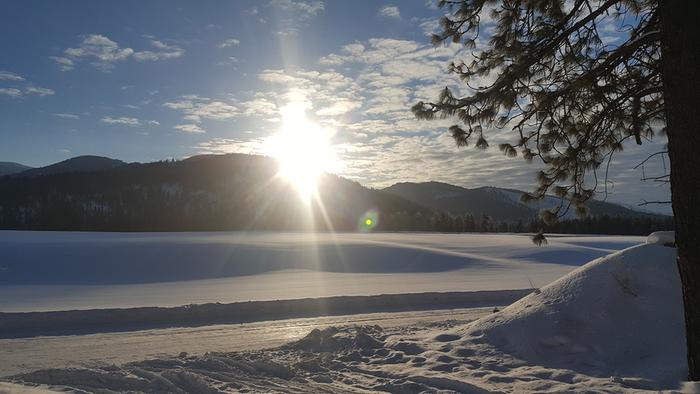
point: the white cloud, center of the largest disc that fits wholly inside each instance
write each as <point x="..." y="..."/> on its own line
<point x="67" y="116"/>
<point x="390" y="11"/>
<point x="121" y="121"/>
<point x="127" y="121"/>
<point x="10" y="76"/>
<point x="292" y="15"/>
<point x="305" y="9"/>
<point x="430" y="26"/>
<point x="231" y="42"/>
<point x="197" y="108"/>
<point x="39" y="91"/>
<point x="190" y="128"/>
<point x="104" y="53"/>
<point x="230" y="61"/>
<point x="12" y="92"/>
<point x="163" y="52"/>
<point x="261" y="107"/>
<point x="339" y="107"/>
<point x="16" y="92"/>
<point x="229" y="145"/>
<point x="330" y="94"/>
<point x="354" y="49"/>
<point x="64" y="63"/>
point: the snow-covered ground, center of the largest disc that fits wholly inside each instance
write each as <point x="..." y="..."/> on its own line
<point x="94" y="350"/>
<point x="42" y="271"/>
<point x="613" y="325"/>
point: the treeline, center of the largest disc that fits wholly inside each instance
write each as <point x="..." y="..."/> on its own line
<point x="447" y="223"/>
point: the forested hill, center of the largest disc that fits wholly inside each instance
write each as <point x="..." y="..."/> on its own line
<point x="239" y="192"/>
<point x="210" y="192"/>
<point x="8" y="168"/>
<point x="498" y="203"/>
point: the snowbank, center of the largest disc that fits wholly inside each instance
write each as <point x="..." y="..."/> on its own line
<point x="666" y="238"/>
<point x="30" y="324"/>
<point x="620" y="315"/>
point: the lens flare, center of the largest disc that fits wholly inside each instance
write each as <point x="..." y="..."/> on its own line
<point x="368" y="221"/>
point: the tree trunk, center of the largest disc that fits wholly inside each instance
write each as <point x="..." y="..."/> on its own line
<point x="680" y="22"/>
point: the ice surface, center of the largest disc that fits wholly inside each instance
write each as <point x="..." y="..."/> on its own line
<point x="65" y="270"/>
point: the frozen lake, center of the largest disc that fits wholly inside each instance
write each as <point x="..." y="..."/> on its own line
<point x="42" y="271"/>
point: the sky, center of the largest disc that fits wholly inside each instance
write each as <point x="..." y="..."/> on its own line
<point x="144" y="81"/>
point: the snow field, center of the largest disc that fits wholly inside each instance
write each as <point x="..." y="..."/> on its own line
<point x="613" y="325"/>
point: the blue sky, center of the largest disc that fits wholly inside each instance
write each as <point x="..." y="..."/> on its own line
<point x="149" y="80"/>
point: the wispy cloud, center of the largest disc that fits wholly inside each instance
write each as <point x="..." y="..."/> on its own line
<point x="104" y="53"/>
<point x="66" y="116"/>
<point x="21" y="86"/>
<point x="162" y="52"/>
<point x="231" y="145"/>
<point x="230" y="42"/>
<point x="390" y="11"/>
<point x="64" y="63"/>
<point x="230" y="61"/>
<point x="10" y="76"/>
<point x="190" y="128"/>
<point x="12" y="92"/>
<point x="293" y="15"/>
<point x="40" y="91"/>
<point x="127" y="121"/>
<point x="305" y="9"/>
<point x="197" y="108"/>
<point x="16" y="93"/>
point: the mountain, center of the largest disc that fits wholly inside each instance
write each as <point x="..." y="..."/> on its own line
<point x="76" y="164"/>
<point x="244" y="192"/>
<point x="209" y="192"/>
<point x="9" y="168"/>
<point x="500" y="204"/>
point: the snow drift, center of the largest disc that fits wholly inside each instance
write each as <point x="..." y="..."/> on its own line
<point x="620" y="315"/>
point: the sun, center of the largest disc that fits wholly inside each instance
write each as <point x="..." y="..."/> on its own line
<point x="302" y="148"/>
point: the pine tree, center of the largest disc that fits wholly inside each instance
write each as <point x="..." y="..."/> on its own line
<point x="573" y="100"/>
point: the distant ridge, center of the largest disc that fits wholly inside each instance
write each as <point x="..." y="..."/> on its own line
<point x="76" y="164"/>
<point x="498" y="203"/>
<point x="9" y="168"/>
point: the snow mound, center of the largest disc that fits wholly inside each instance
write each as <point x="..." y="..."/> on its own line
<point x="666" y="238"/>
<point x="617" y="316"/>
<point x="333" y="339"/>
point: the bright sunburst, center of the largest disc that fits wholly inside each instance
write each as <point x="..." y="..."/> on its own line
<point x="302" y="148"/>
